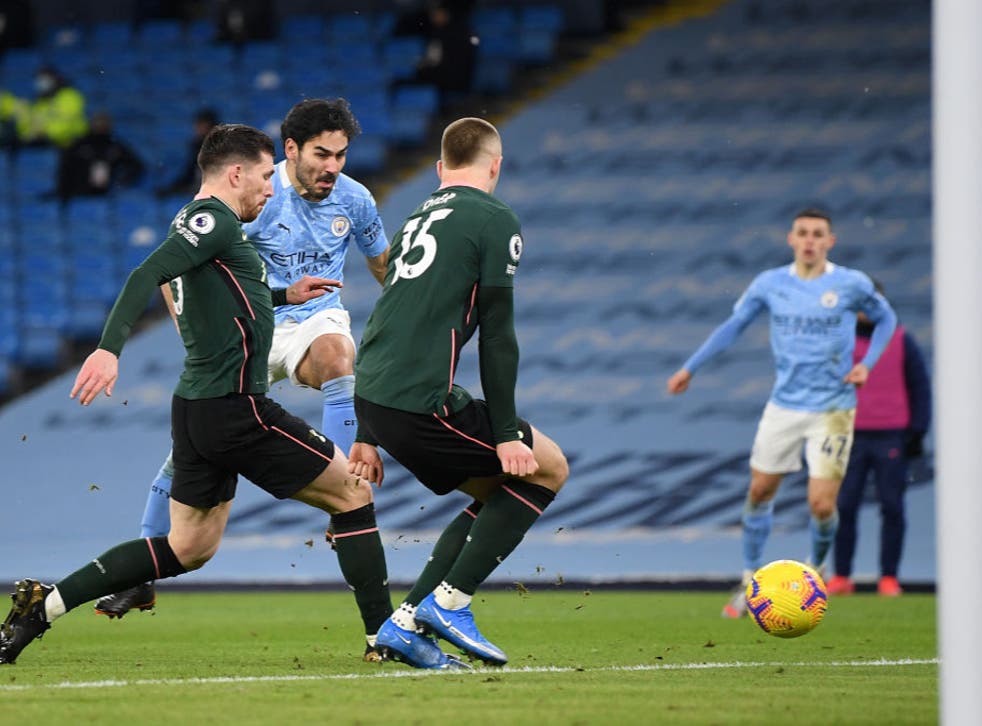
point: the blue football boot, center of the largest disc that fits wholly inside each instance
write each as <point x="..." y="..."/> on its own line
<point x="414" y="649"/>
<point x="457" y="627"/>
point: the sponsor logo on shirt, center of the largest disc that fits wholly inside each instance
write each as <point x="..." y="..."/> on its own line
<point x="807" y="324"/>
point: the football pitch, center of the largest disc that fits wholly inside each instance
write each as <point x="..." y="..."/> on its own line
<point x="576" y="657"/>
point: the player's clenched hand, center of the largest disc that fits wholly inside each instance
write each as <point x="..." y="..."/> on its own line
<point x="679" y="382"/>
<point x="98" y="373"/>
<point x="364" y="461"/>
<point x="517" y="459"/>
<point x="857" y="375"/>
<point x="309" y="287"/>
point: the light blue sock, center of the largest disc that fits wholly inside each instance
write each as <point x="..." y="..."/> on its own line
<point x="339" y="423"/>
<point x="156" y="515"/>
<point x="757" y="521"/>
<point x="823" y="533"/>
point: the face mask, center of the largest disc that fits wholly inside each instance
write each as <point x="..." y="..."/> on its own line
<point x="44" y="84"/>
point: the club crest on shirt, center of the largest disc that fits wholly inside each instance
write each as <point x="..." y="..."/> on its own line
<point x="340" y="226"/>
<point x="830" y="299"/>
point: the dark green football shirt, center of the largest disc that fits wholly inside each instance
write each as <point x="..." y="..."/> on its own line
<point x="451" y="272"/>
<point x="223" y="303"/>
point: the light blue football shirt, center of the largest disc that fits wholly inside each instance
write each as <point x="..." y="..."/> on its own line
<point x="296" y="237"/>
<point x="813" y="333"/>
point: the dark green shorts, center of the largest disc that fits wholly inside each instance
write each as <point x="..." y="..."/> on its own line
<point x="216" y="439"/>
<point x="441" y="451"/>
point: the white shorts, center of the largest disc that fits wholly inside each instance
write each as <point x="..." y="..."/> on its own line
<point x="292" y="339"/>
<point x="826" y="436"/>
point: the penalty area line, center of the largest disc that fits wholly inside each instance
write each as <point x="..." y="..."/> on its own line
<point x="416" y="673"/>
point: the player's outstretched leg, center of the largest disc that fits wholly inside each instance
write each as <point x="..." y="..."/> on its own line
<point x="155" y="523"/>
<point x="25" y="621"/>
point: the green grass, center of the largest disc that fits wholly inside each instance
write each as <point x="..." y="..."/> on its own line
<point x="576" y="658"/>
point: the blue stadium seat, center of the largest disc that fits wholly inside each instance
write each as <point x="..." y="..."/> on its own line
<point x="40" y="347"/>
<point x="300" y="29"/>
<point x="494" y="20"/>
<point x="34" y="172"/>
<point x="159" y="33"/>
<point x="9" y="327"/>
<point x="401" y="55"/>
<point x="17" y="68"/>
<point x="349" y="28"/>
<point x="417" y="97"/>
<point x="200" y="33"/>
<point x="88" y="210"/>
<point x="86" y="319"/>
<point x="90" y="270"/>
<point x="8" y="244"/>
<point x="50" y="312"/>
<point x="369" y="156"/>
<point x="74" y="59"/>
<point x="412" y="109"/>
<point x="541" y="17"/>
<point x="492" y="74"/>
<point x="108" y="36"/>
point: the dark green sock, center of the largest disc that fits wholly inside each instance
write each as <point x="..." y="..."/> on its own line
<point x="124" y="566"/>
<point x="505" y="518"/>
<point x="445" y="553"/>
<point x="362" y="561"/>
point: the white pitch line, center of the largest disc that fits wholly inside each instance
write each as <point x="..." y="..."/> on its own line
<point x="881" y="663"/>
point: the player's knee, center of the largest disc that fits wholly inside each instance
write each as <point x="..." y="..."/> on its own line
<point x="557" y="471"/>
<point x="192" y="554"/>
<point x="339" y="495"/>
<point x="822" y="507"/>
<point x="358" y="494"/>
<point x="553" y="466"/>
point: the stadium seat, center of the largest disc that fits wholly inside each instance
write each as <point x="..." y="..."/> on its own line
<point x="413" y="107"/>
<point x="34" y="172"/>
<point x="40" y="347"/>
<point x="160" y="33"/>
<point x="351" y="28"/>
<point x="94" y="277"/>
<point x="303" y="29"/>
<point x="110" y="35"/>
<point x="369" y="157"/>
<point x="17" y="68"/>
<point x="401" y="55"/>
<point x="541" y="17"/>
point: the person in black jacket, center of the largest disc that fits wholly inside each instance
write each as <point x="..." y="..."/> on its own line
<point x="97" y="162"/>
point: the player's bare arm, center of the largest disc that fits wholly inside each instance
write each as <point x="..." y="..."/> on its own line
<point x="517" y="459"/>
<point x="364" y="461"/>
<point x="98" y="373"/>
<point x="679" y="382"/>
<point x="378" y="265"/>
